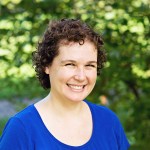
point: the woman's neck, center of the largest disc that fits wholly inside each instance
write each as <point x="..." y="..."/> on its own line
<point x="63" y="107"/>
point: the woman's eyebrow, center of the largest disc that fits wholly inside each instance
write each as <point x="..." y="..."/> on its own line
<point x="67" y="60"/>
<point x="91" y="62"/>
<point x="73" y="61"/>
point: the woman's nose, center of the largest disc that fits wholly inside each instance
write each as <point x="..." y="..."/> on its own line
<point x="80" y="74"/>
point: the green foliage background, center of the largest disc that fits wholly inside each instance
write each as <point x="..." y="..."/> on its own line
<point x="125" y="81"/>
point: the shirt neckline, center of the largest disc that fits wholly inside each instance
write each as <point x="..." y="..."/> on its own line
<point x="64" y="144"/>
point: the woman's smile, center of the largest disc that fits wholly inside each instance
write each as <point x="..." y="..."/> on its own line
<point x="76" y="88"/>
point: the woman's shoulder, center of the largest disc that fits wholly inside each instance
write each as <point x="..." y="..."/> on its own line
<point x="24" y="116"/>
<point x="100" y="108"/>
<point x="27" y="111"/>
<point x="21" y="120"/>
<point x="102" y="112"/>
<point x="18" y="128"/>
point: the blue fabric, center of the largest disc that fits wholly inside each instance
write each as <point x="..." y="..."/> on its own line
<point x="26" y="131"/>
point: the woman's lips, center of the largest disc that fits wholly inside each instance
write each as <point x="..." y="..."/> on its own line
<point x="76" y="87"/>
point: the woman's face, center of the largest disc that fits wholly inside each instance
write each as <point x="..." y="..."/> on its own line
<point x="73" y="72"/>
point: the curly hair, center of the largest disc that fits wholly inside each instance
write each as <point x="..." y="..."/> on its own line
<point x="70" y="30"/>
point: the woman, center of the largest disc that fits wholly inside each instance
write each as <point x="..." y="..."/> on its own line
<point x="67" y="61"/>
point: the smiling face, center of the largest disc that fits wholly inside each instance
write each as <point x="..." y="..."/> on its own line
<point x="73" y="72"/>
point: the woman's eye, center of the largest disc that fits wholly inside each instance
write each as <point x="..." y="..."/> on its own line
<point x="70" y="64"/>
<point x="90" y="65"/>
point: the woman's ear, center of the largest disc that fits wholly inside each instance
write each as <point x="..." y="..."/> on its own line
<point x="47" y="70"/>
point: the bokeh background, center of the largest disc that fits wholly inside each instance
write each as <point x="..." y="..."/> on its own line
<point x="124" y="84"/>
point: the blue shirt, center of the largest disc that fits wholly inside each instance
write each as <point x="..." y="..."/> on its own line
<point x="26" y="131"/>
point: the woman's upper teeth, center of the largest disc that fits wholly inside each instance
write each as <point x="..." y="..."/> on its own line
<point x="78" y="87"/>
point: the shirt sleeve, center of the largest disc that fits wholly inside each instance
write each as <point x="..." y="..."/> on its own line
<point x="14" y="136"/>
<point x="122" y="141"/>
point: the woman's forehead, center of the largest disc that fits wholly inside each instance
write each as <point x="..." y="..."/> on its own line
<point x="75" y="51"/>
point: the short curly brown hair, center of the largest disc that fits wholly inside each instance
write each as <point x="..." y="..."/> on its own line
<point x="71" y="30"/>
